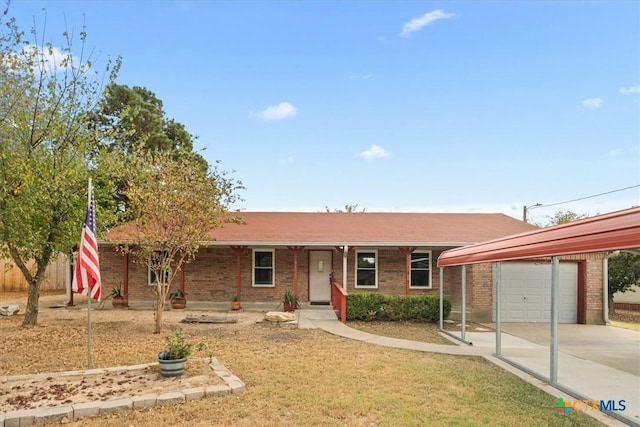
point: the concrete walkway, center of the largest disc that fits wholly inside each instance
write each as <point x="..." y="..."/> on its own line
<point x="592" y="380"/>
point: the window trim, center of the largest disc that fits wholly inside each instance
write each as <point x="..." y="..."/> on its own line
<point x="355" y="274"/>
<point x="253" y="268"/>
<point x="150" y="272"/>
<point x="430" y="276"/>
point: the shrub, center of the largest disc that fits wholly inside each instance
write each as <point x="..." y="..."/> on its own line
<point x="364" y="306"/>
<point x="415" y="308"/>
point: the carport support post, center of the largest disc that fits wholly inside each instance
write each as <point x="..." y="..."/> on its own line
<point x="555" y="296"/>
<point x="464" y="301"/>
<point x="496" y="287"/>
<point x="441" y="297"/>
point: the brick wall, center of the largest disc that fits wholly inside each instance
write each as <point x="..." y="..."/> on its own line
<point x="480" y="286"/>
<point x="212" y="277"/>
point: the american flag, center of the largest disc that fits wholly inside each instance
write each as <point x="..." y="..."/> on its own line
<point x="87" y="271"/>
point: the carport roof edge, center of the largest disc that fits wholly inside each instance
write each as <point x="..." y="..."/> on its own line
<point x="613" y="231"/>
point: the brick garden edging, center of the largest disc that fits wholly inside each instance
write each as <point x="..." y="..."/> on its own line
<point x="38" y="416"/>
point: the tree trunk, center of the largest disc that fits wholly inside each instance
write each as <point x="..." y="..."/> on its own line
<point x="612" y="305"/>
<point x="31" y="313"/>
<point x="158" y="315"/>
<point x="34" y="281"/>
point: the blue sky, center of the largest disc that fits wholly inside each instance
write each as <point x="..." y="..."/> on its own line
<point x="394" y="106"/>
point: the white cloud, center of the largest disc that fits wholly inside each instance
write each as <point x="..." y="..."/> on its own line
<point x="416" y="24"/>
<point x="49" y="60"/>
<point x="627" y="90"/>
<point x="592" y="103"/>
<point x="278" y="112"/>
<point x="375" y="152"/>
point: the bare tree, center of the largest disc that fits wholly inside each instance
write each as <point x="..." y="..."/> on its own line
<point x="176" y="206"/>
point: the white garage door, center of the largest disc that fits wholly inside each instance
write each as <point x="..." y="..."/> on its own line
<point x="526" y="292"/>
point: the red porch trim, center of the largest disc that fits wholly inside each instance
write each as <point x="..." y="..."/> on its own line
<point x="296" y="251"/>
<point x="407" y="268"/>
<point x="238" y="250"/>
<point x="182" y="278"/>
<point x="339" y="299"/>
<point x="125" y="277"/>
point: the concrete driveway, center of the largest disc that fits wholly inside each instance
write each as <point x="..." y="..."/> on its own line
<point x="599" y="362"/>
<point x="615" y="347"/>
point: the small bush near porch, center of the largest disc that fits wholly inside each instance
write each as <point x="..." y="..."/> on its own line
<point x="415" y="308"/>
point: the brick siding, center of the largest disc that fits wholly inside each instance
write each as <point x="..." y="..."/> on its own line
<point x="212" y="276"/>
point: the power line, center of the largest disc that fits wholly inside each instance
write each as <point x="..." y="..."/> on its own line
<point x="590" y="197"/>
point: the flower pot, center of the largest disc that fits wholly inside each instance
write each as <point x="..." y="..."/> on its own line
<point x="235" y="305"/>
<point x="289" y="307"/>
<point x="172" y="368"/>
<point x="178" y="303"/>
<point x="119" y="302"/>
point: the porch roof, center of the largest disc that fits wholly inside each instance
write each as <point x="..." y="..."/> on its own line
<point x="360" y="229"/>
<point x="614" y="231"/>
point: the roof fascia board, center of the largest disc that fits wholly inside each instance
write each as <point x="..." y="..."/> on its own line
<point x="310" y="244"/>
<point x="617" y="230"/>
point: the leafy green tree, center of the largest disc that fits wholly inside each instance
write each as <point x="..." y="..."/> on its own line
<point x="135" y="120"/>
<point x="563" y="216"/>
<point x="624" y="272"/>
<point x="175" y="205"/>
<point x="47" y="150"/>
<point x="138" y="121"/>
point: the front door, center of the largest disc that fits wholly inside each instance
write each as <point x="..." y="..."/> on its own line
<point x="319" y="274"/>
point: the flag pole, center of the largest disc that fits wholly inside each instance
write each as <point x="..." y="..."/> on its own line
<point x="89" y="299"/>
<point x="86" y="278"/>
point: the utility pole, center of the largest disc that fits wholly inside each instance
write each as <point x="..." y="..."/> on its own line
<point x="525" y="208"/>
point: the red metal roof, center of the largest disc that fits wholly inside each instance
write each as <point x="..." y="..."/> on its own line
<point x="330" y="228"/>
<point x="613" y="231"/>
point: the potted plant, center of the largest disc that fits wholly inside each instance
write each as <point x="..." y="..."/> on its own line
<point x="173" y="359"/>
<point x="178" y="299"/>
<point x="118" y="299"/>
<point x="289" y="301"/>
<point x="235" y="302"/>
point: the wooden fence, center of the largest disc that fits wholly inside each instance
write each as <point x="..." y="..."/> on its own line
<point x="12" y="280"/>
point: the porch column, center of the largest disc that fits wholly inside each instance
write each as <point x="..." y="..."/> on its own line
<point x="345" y="254"/>
<point x="125" y="277"/>
<point x="407" y="268"/>
<point x="464" y="301"/>
<point x="182" y="278"/>
<point x="238" y="250"/>
<point x="296" y="251"/>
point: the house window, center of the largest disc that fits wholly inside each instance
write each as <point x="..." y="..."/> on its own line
<point x="421" y="270"/>
<point x="156" y="258"/>
<point x="366" y="269"/>
<point x="263" y="267"/>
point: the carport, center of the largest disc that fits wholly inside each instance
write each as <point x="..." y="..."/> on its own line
<point x="610" y="232"/>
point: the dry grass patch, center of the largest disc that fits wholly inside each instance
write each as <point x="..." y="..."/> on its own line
<point x="425" y="332"/>
<point x="292" y="377"/>
<point x="628" y="319"/>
